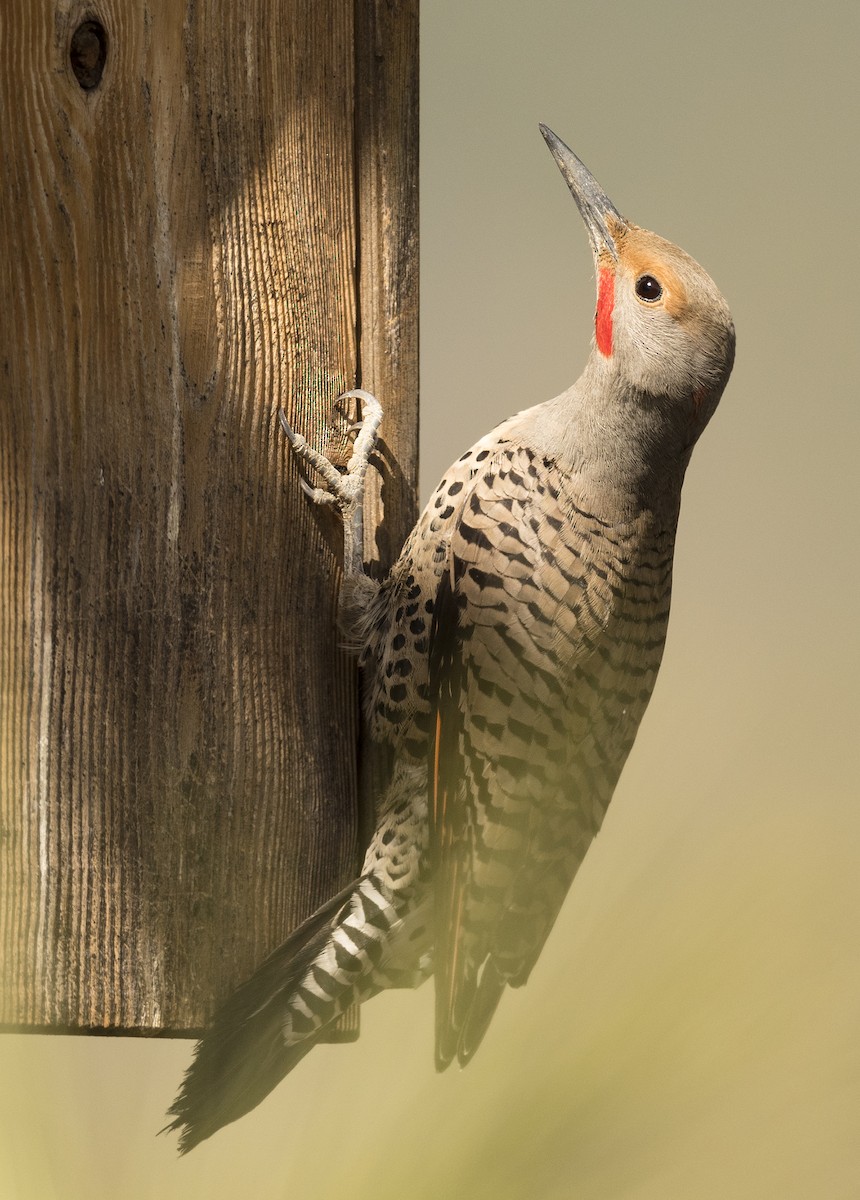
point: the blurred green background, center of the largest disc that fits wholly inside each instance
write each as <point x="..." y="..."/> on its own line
<point x="691" y="1029"/>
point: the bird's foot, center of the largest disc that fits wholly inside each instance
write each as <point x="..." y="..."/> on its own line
<point x="343" y="490"/>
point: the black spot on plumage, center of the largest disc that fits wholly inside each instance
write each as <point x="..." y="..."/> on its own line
<point x="603" y="653"/>
<point x="535" y="771"/>
<point x="300" y="1022"/>
<point x="375" y="951"/>
<point x="550" y="679"/>
<point x="417" y="626"/>
<point x="510" y="531"/>
<point x="374" y="913"/>
<point x="538" y="613"/>
<point x="485" y="578"/>
<point x="360" y="938"/>
<point x="570" y="579"/>
<point x="398" y="641"/>
<point x="345" y="961"/>
<point x="404" y="667"/>
<point x="322" y="979"/>
<point x="455" y="487"/>
<point x="638" y="672"/>
<point x="526" y="733"/>
<point x="499" y="606"/>
<point x="481" y="455"/>
<point x="318" y="1005"/>
<point x="411" y="609"/>
<point x="447" y="512"/>
<point x="475" y="537"/>
<point x="483" y="725"/>
<point x="503" y="695"/>
<point x="398" y="693"/>
<point x="485" y="686"/>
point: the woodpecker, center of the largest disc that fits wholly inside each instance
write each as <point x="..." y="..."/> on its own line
<point x="510" y="655"/>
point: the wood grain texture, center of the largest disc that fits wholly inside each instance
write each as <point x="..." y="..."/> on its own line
<point x="180" y="248"/>
<point x="387" y="167"/>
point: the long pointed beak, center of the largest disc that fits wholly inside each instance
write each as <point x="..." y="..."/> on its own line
<point x="598" y="212"/>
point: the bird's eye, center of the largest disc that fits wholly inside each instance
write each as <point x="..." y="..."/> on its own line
<point x="648" y="288"/>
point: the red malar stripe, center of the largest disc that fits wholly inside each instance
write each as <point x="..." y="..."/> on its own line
<point x="605" y="305"/>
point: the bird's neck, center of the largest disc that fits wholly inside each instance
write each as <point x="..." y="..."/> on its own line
<point x="618" y="445"/>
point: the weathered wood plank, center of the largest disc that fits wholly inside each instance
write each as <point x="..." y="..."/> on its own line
<point x="387" y="166"/>
<point x="177" y="724"/>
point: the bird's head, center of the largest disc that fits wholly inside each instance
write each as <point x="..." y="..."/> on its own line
<point x="661" y="327"/>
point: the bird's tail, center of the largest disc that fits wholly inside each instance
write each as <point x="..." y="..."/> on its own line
<point x="273" y="1019"/>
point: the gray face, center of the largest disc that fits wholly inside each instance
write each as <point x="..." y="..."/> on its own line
<point x="662" y="329"/>
<point x="672" y="333"/>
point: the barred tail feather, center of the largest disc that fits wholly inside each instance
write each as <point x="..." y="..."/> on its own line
<point x="246" y="1052"/>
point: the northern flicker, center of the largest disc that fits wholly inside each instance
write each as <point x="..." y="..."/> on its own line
<point x="510" y="655"/>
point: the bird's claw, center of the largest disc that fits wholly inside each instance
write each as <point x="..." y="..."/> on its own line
<point x="318" y="495"/>
<point x="367" y="427"/>
<point x="343" y="488"/>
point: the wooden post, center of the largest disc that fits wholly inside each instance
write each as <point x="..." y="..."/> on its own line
<point x="207" y="211"/>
